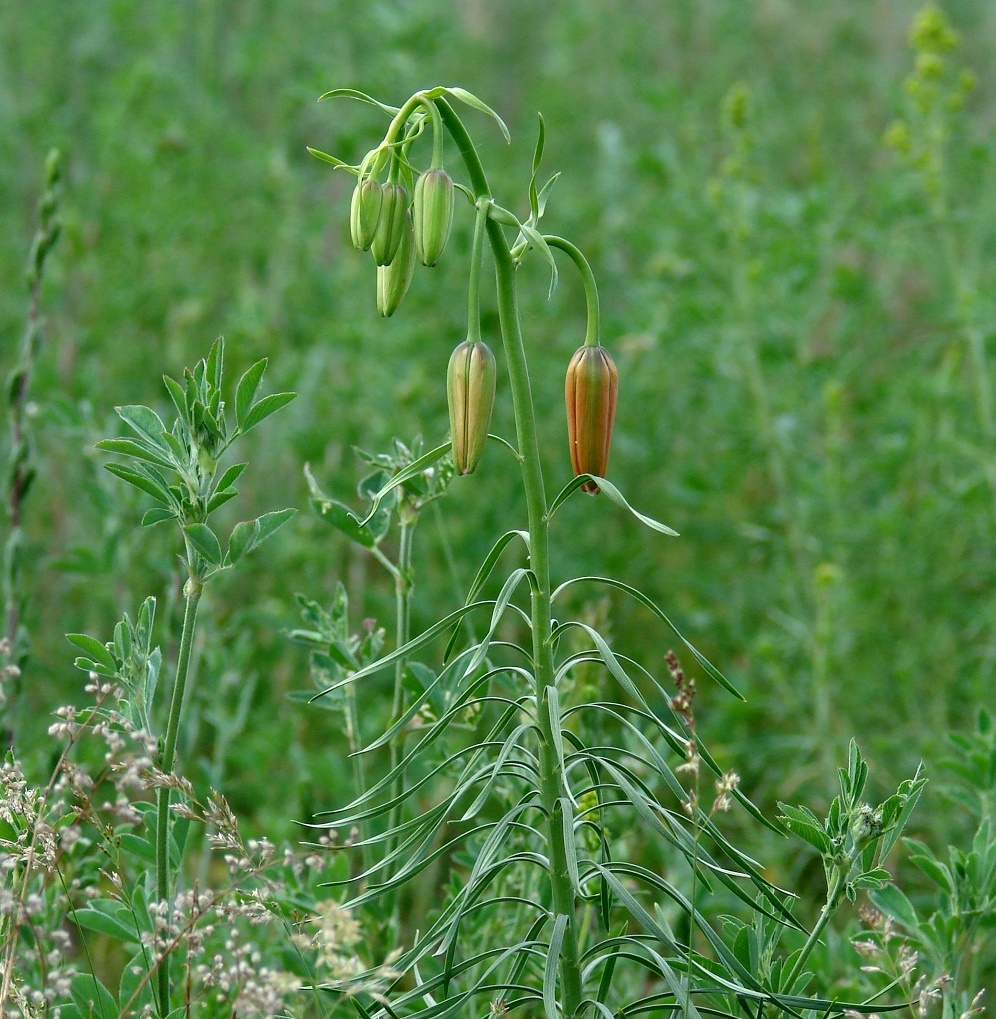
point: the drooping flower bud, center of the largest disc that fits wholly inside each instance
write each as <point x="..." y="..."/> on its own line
<point x="364" y="212"/>
<point x="394" y="280"/>
<point x="590" y="393"/>
<point x="433" y="210"/>
<point x="470" y="389"/>
<point x="392" y="223"/>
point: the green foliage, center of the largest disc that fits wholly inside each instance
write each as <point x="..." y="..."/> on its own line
<point x="191" y="449"/>
<point x="798" y="298"/>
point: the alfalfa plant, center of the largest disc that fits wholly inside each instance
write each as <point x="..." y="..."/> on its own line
<point x="154" y="911"/>
<point x="543" y="913"/>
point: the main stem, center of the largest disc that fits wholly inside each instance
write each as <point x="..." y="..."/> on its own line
<point x="192" y="595"/>
<point x="552" y="793"/>
<point x="829" y="908"/>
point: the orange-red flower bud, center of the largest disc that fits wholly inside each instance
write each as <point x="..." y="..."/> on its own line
<point x="590" y="393"/>
<point x="470" y="389"/>
<point x="392" y="224"/>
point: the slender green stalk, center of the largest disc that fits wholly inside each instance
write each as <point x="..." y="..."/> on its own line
<point x="829" y="908"/>
<point x="192" y="596"/>
<point x="591" y="336"/>
<point x="402" y="574"/>
<point x="474" y="283"/>
<point x="552" y="793"/>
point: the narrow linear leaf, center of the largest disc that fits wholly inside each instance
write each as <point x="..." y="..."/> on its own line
<point x="471" y="100"/>
<point x="415" y="468"/>
<point x="352" y="93"/>
<point x="537" y="240"/>
<point x="614" y="495"/>
<point x="567" y="822"/>
<point x="318" y="154"/>
<point x="711" y="669"/>
<point x="407" y="649"/>
<point x="552" y="966"/>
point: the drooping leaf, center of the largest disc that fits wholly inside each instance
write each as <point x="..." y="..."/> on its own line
<point x="352" y="93"/>
<point x="471" y="100"/>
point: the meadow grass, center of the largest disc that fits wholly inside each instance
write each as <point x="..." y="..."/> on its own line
<point x="791" y="317"/>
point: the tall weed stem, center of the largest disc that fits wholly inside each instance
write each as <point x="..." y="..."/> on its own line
<point x="192" y="596"/>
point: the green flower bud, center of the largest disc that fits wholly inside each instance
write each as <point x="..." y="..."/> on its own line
<point x="393" y="280"/>
<point x="470" y="389"/>
<point x="364" y="212"/>
<point x="392" y="224"/>
<point x="433" y="213"/>
<point x="590" y="394"/>
<point x="866" y="826"/>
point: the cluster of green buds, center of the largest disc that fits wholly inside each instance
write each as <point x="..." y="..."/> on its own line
<point x="590" y="395"/>
<point x="384" y="221"/>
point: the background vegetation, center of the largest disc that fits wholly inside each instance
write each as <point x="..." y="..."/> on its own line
<point x="796" y="309"/>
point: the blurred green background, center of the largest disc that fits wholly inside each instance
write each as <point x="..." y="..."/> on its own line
<point x="797" y="395"/>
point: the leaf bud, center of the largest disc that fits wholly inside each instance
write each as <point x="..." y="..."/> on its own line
<point x="433" y="208"/>
<point x="590" y="394"/>
<point x="470" y="389"/>
<point x="364" y="212"/>
<point x="394" y="280"/>
<point x="391" y="225"/>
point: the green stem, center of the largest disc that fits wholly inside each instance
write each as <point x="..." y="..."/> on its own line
<point x="192" y="594"/>
<point x="402" y="573"/>
<point x="829" y="908"/>
<point x="591" y="337"/>
<point x="552" y="792"/>
<point x="474" y="285"/>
